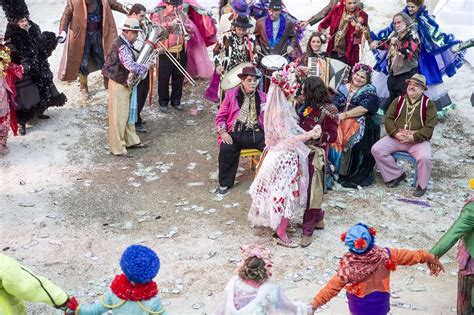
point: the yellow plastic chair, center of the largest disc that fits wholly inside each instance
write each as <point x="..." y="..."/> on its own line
<point x="254" y="156"/>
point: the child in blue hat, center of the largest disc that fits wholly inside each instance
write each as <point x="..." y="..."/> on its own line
<point x="132" y="293"/>
<point x="365" y="270"/>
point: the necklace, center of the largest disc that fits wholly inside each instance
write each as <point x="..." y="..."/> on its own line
<point x="352" y="91"/>
<point x="410" y="111"/>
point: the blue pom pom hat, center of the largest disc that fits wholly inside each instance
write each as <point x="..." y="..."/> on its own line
<point x="140" y="264"/>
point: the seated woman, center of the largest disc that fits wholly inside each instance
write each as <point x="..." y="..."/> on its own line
<point x="239" y="125"/>
<point x="279" y="189"/>
<point x="357" y="103"/>
<point x="251" y="293"/>
<point x="314" y="51"/>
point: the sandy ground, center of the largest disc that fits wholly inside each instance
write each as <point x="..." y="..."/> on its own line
<point x="68" y="209"/>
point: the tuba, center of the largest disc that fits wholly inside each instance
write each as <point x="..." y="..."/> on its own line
<point x="148" y="53"/>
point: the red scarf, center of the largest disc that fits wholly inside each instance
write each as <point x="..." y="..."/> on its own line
<point x="355" y="268"/>
<point x="129" y="291"/>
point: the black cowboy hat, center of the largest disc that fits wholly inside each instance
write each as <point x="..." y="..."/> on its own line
<point x="174" y="2"/>
<point x="275" y="5"/>
<point x="242" y="22"/>
<point x="251" y="70"/>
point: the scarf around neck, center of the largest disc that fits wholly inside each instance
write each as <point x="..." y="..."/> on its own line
<point x="269" y="30"/>
<point x="354" y="268"/>
<point x="248" y="114"/>
<point x="126" y="290"/>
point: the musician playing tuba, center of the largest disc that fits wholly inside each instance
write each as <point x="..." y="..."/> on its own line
<point x="176" y="22"/>
<point x="138" y="12"/>
<point x="120" y="62"/>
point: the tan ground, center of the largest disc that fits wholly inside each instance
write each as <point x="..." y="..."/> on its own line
<point x="68" y="209"/>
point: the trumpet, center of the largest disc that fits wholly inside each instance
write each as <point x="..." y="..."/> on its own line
<point x="181" y="27"/>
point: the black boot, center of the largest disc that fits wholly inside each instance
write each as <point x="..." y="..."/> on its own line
<point x="22" y="129"/>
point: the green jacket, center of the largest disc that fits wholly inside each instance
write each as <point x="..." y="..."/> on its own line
<point x="18" y="284"/>
<point x="463" y="228"/>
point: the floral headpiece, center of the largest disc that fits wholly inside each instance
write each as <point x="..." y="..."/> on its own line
<point x="258" y="251"/>
<point x="360" y="238"/>
<point x="286" y="80"/>
<point x="5" y="58"/>
<point x="361" y="66"/>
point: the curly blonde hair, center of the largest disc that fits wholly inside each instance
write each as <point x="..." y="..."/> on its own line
<point x="254" y="270"/>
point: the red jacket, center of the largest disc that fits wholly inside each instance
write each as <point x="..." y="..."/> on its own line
<point x="353" y="38"/>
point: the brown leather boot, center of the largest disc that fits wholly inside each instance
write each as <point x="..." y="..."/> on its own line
<point x="319" y="225"/>
<point x="84" y="89"/>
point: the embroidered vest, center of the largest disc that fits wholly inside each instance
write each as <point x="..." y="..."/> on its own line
<point x="113" y="67"/>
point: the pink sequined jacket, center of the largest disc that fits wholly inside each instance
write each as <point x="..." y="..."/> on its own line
<point x="230" y="108"/>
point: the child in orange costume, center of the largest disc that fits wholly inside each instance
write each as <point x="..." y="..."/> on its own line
<point x="365" y="272"/>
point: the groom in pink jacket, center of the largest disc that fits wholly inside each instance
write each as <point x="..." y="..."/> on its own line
<point x="239" y="125"/>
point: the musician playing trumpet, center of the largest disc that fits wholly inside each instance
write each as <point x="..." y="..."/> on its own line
<point x="347" y="23"/>
<point x="176" y="22"/>
<point x="120" y="62"/>
<point x="403" y="49"/>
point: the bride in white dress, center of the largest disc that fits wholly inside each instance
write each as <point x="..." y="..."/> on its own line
<point x="279" y="190"/>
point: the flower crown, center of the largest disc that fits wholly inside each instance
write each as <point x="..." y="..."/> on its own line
<point x="360" y="66"/>
<point x="260" y="252"/>
<point x="286" y="80"/>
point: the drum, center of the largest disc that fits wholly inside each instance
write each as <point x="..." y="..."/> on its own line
<point x="271" y="63"/>
<point x="338" y="72"/>
<point x="231" y="78"/>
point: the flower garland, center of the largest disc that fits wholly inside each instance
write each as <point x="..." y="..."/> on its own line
<point x="286" y="80"/>
<point x="269" y="30"/>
